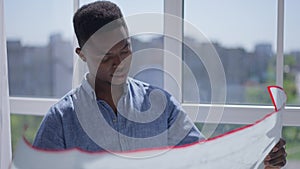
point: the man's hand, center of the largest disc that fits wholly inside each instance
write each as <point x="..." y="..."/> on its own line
<point x="277" y="157"/>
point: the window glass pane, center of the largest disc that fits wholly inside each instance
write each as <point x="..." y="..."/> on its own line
<point x="291" y="134"/>
<point x="244" y="41"/>
<point x="147" y="60"/>
<point x="220" y="128"/>
<point x="39" y="47"/>
<point x="292" y="52"/>
<point x="23" y="125"/>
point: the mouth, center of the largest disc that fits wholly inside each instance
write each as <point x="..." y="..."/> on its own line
<point x="120" y="74"/>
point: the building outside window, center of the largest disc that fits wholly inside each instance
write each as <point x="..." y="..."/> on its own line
<point x="40" y="51"/>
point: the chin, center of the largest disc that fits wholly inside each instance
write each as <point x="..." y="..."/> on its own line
<point x="118" y="81"/>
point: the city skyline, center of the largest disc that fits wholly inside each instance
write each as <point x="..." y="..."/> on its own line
<point x="57" y="58"/>
<point x="148" y="39"/>
<point x="243" y="30"/>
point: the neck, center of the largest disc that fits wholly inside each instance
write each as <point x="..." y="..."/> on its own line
<point x="111" y="94"/>
<point x="107" y="91"/>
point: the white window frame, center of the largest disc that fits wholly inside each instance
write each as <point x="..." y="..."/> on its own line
<point x="233" y="114"/>
<point x="39" y="106"/>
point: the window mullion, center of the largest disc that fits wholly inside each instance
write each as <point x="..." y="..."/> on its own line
<point x="280" y="37"/>
<point x="241" y="114"/>
<point x="173" y="31"/>
<point x="31" y="106"/>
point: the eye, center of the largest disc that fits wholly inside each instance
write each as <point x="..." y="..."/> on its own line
<point x="125" y="52"/>
<point x="105" y="58"/>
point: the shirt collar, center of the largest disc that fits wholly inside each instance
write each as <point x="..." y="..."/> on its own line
<point x="90" y="90"/>
<point x="87" y="87"/>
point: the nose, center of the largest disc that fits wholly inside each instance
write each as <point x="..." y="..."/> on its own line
<point x="117" y="60"/>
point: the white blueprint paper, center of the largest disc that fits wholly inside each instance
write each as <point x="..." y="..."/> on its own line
<point x="244" y="148"/>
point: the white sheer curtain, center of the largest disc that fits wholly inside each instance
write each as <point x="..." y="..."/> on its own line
<point x="5" y="135"/>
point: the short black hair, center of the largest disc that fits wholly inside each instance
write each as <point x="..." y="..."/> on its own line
<point x="91" y="17"/>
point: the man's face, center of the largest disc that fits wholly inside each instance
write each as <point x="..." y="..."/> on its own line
<point x="109" y="56"/>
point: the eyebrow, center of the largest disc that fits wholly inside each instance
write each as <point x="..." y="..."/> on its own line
<point x="124" y="47"/>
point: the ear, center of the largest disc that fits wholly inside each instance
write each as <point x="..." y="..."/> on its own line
<point x="80" y="54"/>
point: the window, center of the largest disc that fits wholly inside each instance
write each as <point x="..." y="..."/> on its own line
<point x="246" y="44"/>
<point x="23" y="125"/>
<point x="244" y="41"/>
<point x="40" y="60"/>
<point x="33" y="42"/>
<point x="39" y="45"/>
<point x="292" y="53"/>
<point x="292" y="136"/>
<point x="291" y="78"/>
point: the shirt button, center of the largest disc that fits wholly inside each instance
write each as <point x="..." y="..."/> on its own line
<point x="114" y="120"/>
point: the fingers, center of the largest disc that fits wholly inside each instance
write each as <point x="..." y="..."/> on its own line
<point x="280" y="144"/>
<point x="277" y="154"/>
<point x="277" y="157"/>
<point x="279" y="161"/>
<point x="270" y="167"/>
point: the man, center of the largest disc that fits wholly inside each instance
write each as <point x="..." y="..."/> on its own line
<point x="109" y="111"/>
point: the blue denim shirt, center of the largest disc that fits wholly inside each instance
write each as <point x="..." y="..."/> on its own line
<point x="147" y="117"/>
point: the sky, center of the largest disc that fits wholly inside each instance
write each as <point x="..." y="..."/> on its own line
<point x="232" y="23"/>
